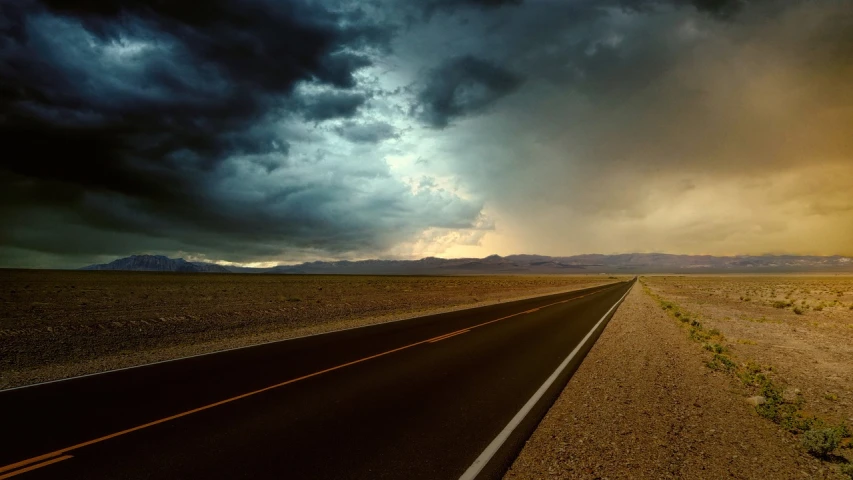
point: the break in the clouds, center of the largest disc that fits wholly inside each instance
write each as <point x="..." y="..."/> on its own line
<point x="281" y="131"/>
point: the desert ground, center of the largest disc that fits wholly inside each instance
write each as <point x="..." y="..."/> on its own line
<point x="799" y="328"/>
<point x="710" y="377"/>
<point x="56" y="324"/>
<point x="724" y="376"/>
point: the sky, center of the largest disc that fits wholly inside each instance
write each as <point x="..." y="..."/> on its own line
<point x="258" y="132"/>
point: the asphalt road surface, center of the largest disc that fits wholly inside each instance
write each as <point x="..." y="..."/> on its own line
<point x="449" y="396"/>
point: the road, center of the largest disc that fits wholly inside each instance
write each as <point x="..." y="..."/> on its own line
<point x="441" y="396"/>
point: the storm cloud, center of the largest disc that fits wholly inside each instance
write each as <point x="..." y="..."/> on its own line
<point x="660" y="126"/>
<point x="133" y="126"/>
<point x="460" y="87"/>
<point x="268" y="131"/>
<point x="367" y="132"/>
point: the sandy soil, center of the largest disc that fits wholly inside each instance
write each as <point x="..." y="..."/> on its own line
<point x="645" y="405"/>
<point x="809" y="349"/>
<point x="56" y="324"/>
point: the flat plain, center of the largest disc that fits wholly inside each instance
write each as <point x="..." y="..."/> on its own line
<point x="56" y="324"/>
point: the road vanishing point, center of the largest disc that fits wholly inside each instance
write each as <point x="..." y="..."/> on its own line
<point x="448" y="396"/>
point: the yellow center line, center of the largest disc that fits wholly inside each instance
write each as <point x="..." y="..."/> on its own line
<point x="445" y="337"/>
<point x="249" y="394"/>
<point x="33" y="467"/>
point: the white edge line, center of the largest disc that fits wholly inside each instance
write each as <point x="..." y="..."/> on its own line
<point x="2" y="391"/>
<point x="496" y="444"/>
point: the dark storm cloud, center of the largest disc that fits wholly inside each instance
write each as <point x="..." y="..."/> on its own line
<point x="460" y="87"/>
<point x="157" y="124"/>
<point x="723" y="8"/>
<point x="372" y="132"/>
<point x="718" y="8"/>
<point x="329" y="105"/>
<point x="484" y="3"/>
<point x="184" y="81"/>
<point x="241" y="130"/>
<point x="432" y="6"/>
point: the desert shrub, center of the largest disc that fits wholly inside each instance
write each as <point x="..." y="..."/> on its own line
<point x="721" y="363"/>
<point x="751" y="375"/>
<point x="795" y="422"/>
<point x="714" y="347"/>
<point x="774" y="408"/>
<point x="847" y="470"/>
<point x="798" y="310"/>
<point x="781" y="304"/>
<point x="822" y="442"/>
<point x="699" y="335"/>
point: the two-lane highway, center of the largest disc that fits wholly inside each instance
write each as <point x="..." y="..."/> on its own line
<point x="442" y="396"/>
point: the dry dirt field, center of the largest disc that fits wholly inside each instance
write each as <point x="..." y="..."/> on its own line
<point x="55" y="324"/>
<point x="800" y="326"/>
<point x="666" y="391"/>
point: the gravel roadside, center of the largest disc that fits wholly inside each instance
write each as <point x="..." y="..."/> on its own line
<point x="644" y="405"/>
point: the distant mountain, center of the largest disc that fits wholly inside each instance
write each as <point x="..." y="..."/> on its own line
<point x="158" y="263"/>
<point x="595" y="263"/>
<point x="629" y="263"/>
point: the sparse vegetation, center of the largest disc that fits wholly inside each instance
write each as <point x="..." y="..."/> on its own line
<point x="721" y="362"/>
<point x="821" y="443"/>
<point x="782" y="405"/>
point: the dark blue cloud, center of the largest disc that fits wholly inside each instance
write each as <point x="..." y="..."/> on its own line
<point x="369" y="132"/>
<point x="460" y="87"/>
<point x="127" y="117"/>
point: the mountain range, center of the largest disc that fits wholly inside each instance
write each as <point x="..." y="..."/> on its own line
<point x="158" y="263"/>
<point x="593" y="263"/>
